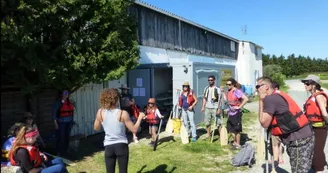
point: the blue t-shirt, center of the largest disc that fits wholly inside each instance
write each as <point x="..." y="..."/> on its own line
<point x="7" y="146"/>
<point x="184" y="102"/>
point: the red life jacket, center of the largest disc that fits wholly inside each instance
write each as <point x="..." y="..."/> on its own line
<point x="289" y="121"/>
<point x="312" y="110"/>
<point x="66" y="109"/>
<point x="190" y="98"/>
<point x="135" y="111"/>
<point x="151" y="117"/>
<point x="34" y="155"/>
<point x="232" y="99"/>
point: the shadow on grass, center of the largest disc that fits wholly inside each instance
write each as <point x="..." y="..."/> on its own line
<point x="160" y="168"/>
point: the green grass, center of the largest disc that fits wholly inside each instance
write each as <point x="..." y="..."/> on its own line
<point x="172" y="156"/>
<point x="322" y="75"/>
<point x="324" y="85"/>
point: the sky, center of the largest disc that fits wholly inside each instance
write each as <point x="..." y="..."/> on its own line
<point x="279" y="26"/>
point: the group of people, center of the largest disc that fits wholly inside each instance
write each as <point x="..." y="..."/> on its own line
<point x="24" y="145"/>
<point x="118" y="111"/>
<point x="304" y="133"/>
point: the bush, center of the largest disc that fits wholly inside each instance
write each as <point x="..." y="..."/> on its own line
<point x="275" y="73"/>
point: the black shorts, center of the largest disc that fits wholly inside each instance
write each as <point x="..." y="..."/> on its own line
<point x="234" y="124"/>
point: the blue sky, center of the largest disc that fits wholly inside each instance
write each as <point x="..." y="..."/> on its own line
<point x="280" y="26"/>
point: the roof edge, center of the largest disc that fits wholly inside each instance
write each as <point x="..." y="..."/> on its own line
<point x="144" y="4"/>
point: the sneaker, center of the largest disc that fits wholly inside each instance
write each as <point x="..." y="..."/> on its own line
<point x="193" y="139"/>
<point x="151" y="143"/>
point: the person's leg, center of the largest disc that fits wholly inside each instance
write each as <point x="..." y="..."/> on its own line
<point x="192" y="124"/>
<point x="110" y="158"/>
<point x="60" y="138"/>
<point x="58" y="168"/>
<point x="207" y="120"/>
<point x="275" y="148"/>
<point x="238" y="127"/>
<point x="280" y="158"/>
<point x="185" y="120"/>
<point x="300" y="153"/>
<point x="154" y="130"/>
<point x="68" y="128"/>
<point x="319" y="159"/>
<point x="122" y="152"/>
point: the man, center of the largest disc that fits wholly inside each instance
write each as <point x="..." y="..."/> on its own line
<point x="236" y="99"/>
<point x="127" y="101"/>
<point x="276" y="143"/>
<point x="280" y="113"/>
<point x="211" y="105"/>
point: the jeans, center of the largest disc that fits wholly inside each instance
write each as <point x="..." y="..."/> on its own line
<point x="189" y="115"/>
<point x="55" y="166"/>
<point x="63" y="134"/>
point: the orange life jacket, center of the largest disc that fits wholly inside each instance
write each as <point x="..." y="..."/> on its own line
<point x="34" y="155"/>
<point x="151" y="117"/>
<point x="190" y="98"/>
<point x="290" y="121"/>
<point x="135" y="111"/>
<point x="312" y="110"/>
<point x="232" y="99"/>
<point x="66" y="109"/>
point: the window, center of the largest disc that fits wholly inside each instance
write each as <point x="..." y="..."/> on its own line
<point x="233" y="46"/>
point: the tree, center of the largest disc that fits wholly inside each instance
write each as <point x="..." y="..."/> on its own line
<point x="275" y="73"/>
<point x="66" y="43"/>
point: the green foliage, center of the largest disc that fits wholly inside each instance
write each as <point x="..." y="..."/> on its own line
<point x="275" y="73"/>
<point x="66" y="43"/>
<point x="293" y="66"/>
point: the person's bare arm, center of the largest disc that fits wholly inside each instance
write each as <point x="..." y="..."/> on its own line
<point x="322" y="102"/>
<point x="264" y="118"/>
<point x="245" y="100"/>
<point x="98" y="121"/>
<point x="128" y="123"/>
<point x="204" y="103"/>
<point x="196" y="100"/>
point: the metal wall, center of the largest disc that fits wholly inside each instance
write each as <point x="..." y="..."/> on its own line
<point x="159" y="30"/>
<point x="86" y="101"/>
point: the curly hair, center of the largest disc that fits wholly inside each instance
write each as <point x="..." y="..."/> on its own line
<point x="109" y="97"/>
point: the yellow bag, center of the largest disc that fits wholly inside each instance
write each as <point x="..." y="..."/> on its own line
<point x="176" y="125"/>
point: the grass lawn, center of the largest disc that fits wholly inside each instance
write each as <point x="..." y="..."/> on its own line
<point x="322" y="75"/>
<point x="171" y="156"/>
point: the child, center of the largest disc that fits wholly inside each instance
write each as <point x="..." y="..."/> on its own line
<point x="152" y="117"/>
<point x="12" y="133"/>
<point x="29" y="121"/>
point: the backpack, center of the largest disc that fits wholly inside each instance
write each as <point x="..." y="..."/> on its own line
<point x="246" y="156"/>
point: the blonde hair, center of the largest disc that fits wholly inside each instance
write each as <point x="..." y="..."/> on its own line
<point x="20" y="139"/>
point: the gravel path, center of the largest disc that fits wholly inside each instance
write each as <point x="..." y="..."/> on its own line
<point x="297" y="92"/>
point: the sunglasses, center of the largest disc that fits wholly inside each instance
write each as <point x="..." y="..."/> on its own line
<point x="258" y="86"/>
<point x="150" y="103"/>
<point x="228" y="84"/>
<point x="307" y="83"/>
<point x="185" y="86"/>
<point x="210" y="80"/>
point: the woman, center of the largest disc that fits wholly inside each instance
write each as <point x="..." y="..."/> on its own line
<point x="62" y="114"/>
<point x="316" y="111"/>
<point x="29" y="158"/>
<point x="29" y="121"/>
<point x="114" y="122"/>
<point x="236" y="99"/>
<point x="188" y="101"/>
<point x="7" y="145"/>
<point x="153" y="115"/>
